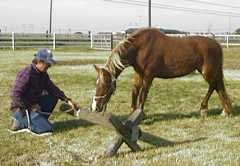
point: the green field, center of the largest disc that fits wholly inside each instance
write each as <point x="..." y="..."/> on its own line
<point x="179" y="136"/>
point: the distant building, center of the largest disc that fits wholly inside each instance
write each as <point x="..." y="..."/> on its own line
<point x="166" y="31"/>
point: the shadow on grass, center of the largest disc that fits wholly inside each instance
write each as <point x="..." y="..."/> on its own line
<point x="150" y="119"/>
<point x="155" y="140"/>
<point x="236" y="110"/>
<point x="70" y="124"/>
<point x="218" y="111"/>
<point x="160" y="142"/>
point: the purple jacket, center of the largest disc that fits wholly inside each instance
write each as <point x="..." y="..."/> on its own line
<point x="29" y="86"/>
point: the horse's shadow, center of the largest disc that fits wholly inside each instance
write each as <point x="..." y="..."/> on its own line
<point x="151" y="118"/>
<point x="236" y="110"/>
<point x="157" y="142"/>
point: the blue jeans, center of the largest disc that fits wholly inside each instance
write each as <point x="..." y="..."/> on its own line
<point x="38" y="120"/>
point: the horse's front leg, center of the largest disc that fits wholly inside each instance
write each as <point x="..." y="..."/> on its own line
<point x="138" y="81"/>
<point x="143" y="92"/>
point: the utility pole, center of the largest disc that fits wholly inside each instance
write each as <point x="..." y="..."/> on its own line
<point x="50" y="23"/>
<point x="149" y="13"/>
<point x="229" y="24"/>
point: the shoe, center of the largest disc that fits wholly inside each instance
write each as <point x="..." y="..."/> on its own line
<point x="15" y="128"/>
<point x="18" y="131"/>
<point x="29" y="131"/>
<point x="41" y="134"/>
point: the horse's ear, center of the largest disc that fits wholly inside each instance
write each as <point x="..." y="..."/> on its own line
<point x="96" y="68"/>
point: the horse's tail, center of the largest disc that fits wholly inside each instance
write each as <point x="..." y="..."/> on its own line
<point x="219" y="53"/>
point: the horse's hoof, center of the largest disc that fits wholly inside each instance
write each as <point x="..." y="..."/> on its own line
<point x="204" y="112"/>
<point x="225" y="113"/>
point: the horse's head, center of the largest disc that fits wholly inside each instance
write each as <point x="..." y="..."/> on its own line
<point x="105" y="87"/>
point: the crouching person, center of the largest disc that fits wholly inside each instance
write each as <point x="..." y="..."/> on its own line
<point x="34" y="96"/>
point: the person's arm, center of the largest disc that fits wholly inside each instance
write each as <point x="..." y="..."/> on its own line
<point x="54" y="90"/>
<point x="19" y="89"/>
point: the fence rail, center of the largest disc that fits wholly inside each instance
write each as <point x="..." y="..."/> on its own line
<point x="28" y="40"/>
<point x="96" y="41"/>
<point x="108" y="41"/>
<point x="105" y="41"/>
<point x="224" y="40"/>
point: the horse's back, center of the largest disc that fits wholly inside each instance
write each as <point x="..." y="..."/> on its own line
<point x="196" y="52"/>
<point x="208" y="50"/>
<point x="171" y="57"/>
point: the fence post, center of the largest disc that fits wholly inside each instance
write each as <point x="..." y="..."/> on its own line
<point x="102" y="38"/>
<point x="91" y="38"/>
<point x="227" y="41"/>
<point x="54" y="41"/>
<point x="13" y="41"/>
<point x="111" y="41"/>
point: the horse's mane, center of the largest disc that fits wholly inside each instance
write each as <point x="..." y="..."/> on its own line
<point x="122" y="47"/>
<point x="117" y="58"/>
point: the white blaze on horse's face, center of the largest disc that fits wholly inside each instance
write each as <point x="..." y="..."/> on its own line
<point x="97" y="81"/>
<point x="94" y="104"/>
<point x="104" y="89"/>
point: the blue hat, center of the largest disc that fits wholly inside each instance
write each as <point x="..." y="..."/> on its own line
<point x="45" y="55"/>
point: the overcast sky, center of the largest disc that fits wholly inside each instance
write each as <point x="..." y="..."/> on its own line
<point x="100" y="15"/>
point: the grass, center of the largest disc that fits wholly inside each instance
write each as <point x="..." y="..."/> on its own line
<point x="231" y="58"/>
<point x="177" y="135"/>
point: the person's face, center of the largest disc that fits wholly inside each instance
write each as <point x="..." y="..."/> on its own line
<point x="43" y="66"/>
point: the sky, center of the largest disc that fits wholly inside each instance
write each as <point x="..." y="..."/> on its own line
<point x="101" y="15"/>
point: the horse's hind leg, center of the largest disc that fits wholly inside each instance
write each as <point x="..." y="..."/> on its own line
<point x="204" y="104"/>
<point x="208" y="75"/>
<point x="226" y="102"/>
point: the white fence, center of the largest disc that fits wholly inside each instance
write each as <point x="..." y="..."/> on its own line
<point x="108" y="41"/>
<point x="103" y="41"/>
<point x="228" y="40"/>
<point x="224" y="40"/>
<point x="28" y="40"/>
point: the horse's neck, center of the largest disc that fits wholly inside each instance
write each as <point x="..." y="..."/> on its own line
<point x="113" y="70"/>
<point x="115" y="66"/>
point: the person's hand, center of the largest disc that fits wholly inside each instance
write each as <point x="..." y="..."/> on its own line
<point x="73" y="104"/>
<point x="35" y="108"/>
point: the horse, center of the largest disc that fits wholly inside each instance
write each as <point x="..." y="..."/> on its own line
<point x="154" y="54"/>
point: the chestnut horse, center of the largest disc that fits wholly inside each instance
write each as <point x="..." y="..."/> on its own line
<point x="153" y="54"/>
